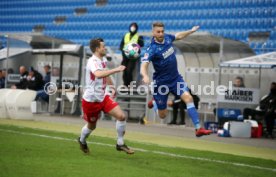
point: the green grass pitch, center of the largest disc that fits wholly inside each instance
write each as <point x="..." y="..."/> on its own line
<point x="33" y="152"/>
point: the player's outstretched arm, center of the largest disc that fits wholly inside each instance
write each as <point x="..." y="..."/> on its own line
<point x="181" y="35"/>
<point x="144" y="72"/>
<point x="105" y="73"/>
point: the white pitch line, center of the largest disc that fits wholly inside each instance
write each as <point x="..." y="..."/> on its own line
<point x="149" y="151"/>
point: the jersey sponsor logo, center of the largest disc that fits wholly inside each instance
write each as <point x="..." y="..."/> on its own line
<point x="168" y="53"/>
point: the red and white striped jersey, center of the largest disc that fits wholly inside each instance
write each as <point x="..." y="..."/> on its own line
<point x="95" y="89"/>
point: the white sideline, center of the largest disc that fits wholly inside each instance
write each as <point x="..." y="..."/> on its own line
<point x="144" y="150"/>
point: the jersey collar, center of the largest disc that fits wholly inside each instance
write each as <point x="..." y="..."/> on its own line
<point x="153" y="40"/>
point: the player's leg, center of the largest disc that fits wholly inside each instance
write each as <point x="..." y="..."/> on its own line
<point x="180" y="88"/>
<point x="162" y="113"/>
<point x="85" y="132"/>
<point x="91" y="113"/>
<point x="113" y="109"/>
<point x="192" y="112"/>
<point x="159" y="101"/>
<point x="175" y="107"/>
<point x="160" y="110"/>
<point x="118" y="114"/>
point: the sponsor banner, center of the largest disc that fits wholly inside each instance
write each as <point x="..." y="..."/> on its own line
<point x="240" y="95"/>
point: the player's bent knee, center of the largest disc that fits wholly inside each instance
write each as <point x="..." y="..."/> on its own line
<point x="121" y="117"/>
<point x="187" y="98"/>
<point x="162" y="115"/>
<point x="91" y="126"/>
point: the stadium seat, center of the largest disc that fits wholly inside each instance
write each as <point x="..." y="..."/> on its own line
<point x="218" y="17"/>
<point x="226" y="114"/>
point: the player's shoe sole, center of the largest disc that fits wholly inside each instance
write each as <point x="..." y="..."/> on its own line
<point x="124" y="148"/>
<point x="83" y="147"/>
<point x="201" y="132"/>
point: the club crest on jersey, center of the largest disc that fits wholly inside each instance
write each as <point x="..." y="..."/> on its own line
<point x="168" y="53"/>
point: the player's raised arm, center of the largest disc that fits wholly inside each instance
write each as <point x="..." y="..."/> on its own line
<point x="105" y="73"/>
<point x="181" y="35"/>
<point x="144" y="72"/>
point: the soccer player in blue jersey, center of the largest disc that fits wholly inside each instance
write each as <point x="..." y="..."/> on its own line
<point x="166" y="77"/>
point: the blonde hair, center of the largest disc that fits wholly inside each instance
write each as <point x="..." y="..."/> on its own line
<point x="158" y="24"/>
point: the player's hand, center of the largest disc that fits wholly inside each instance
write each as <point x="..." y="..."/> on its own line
<point x="195" y="28"/>
<point x="112" y="90"/>
<point x="146" y="80"/>
<point x="120" y="68"/>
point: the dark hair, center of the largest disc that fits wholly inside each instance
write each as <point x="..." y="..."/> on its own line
<point x="94" y="43"/>
<point x="47" y="66"/>
<point x="241" y="79"/>
<point x="158" y="24"/>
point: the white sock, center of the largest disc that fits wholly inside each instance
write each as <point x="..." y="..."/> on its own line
<point x="120" y="127"/>
<point x="85" y="132"/>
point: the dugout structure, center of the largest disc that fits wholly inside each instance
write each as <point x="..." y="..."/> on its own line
<point x="38" y="50"/>
<point x="259" y="69"/>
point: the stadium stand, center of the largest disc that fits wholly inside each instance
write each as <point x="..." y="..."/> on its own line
<point x="231" y="19"/>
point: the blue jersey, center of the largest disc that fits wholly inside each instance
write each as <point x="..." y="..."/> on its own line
<point x="162" y="56"/>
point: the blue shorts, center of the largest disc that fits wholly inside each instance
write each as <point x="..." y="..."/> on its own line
<point x="161" y="91"/>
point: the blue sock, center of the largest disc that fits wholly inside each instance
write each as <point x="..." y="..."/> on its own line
<point x="193" y="114"/>
<point x="155" y="108"/>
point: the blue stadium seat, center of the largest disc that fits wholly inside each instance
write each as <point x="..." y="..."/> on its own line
<point x="226" y="114"/>
<point x="232" y="19"/>
<point x="273" y="34"/>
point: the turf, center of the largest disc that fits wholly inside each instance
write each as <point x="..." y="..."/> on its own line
<point x="24" y="152"/>
<point x="187" y="143"/>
